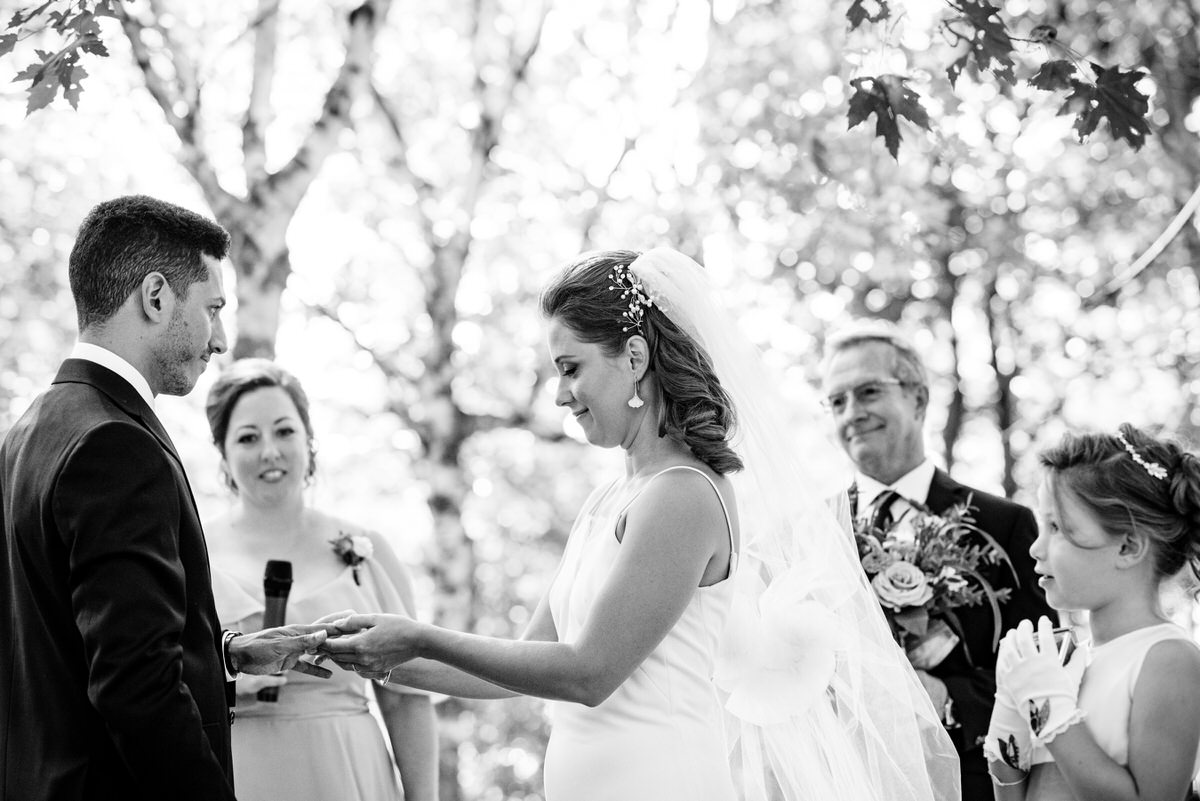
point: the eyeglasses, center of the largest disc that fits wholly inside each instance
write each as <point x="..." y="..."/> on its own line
<point x="865" y="393"/>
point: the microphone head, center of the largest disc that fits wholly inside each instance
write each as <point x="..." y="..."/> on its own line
<point x="277" y="580"/>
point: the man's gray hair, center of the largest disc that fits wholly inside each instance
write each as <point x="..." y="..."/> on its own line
<point x="906" y="364"/>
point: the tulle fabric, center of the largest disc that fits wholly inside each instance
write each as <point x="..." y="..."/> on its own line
<point x="821" y="702"/>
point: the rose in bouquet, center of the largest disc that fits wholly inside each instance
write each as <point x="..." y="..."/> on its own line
<point x="922" y="568"/>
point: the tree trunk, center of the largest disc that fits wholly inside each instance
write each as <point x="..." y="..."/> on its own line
<point x="261" y="261"/>
<point x="948" y="289"/>
<point x="996" y="311"/>
<point x="444" y="430"/>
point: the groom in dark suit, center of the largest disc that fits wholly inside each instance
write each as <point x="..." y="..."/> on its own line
<point x="875" y="386"/>
<point x="113" y="668"/>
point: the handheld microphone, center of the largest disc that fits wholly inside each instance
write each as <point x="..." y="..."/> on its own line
<point x="277" y="583"/>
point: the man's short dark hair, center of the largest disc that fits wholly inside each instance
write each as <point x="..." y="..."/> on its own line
<point x="125" y="239"/>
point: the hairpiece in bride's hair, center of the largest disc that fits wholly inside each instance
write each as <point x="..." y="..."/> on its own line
<point x="633" y="293"/>
<point x="1153" y="469"/>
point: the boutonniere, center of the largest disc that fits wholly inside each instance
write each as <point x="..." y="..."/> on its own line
<point x="354" y="549"/>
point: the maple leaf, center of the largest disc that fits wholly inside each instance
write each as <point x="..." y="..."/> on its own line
<point x="1113" y="97"/>
<point x="1053" y="75"/>
<point x="21" y="17"/>
<point x="105" y="8"/>
<point x="85" y="25"/>
<point x="59" y="20"/>
<point x="888" y="98"/>
<point x="957" y="66"/>
<point x="989" y="44"/>
<point x="858" y="13"/>
<point x="41" y="93"/>
<point x="1124" y="106"/>
<point x="905" y="101"/>
<point x="33" y="72"/>
<point x="73" y="86"/>
<point x="93" y="46"/>
<point x="7" y="42"/>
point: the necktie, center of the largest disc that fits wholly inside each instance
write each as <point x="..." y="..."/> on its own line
<point x="881" y="510"/>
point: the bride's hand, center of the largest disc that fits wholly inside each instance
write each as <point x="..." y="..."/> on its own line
<point x="371" y="645"/>
<point x="333" y="617"/>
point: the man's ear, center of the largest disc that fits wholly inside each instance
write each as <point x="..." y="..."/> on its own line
<point x="157" y="299"/>
<point x="637" y="351"/>
<point x="921" y="395"/>
<point x="1134" y="548"/>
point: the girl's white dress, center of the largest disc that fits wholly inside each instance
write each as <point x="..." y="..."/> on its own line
<point x="1106" y="693"/>
<point x="659" y="736"/>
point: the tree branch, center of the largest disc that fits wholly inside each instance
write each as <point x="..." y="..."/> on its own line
<point x="291" y="182"/>
<point x="399" y="161"/>
<point x="391" y="371"/>
<point x="179" y="103"/>
<point x="486" y="134"/>
<point x="258" y="110"/>
<point x="592" y="217"/>
<point x="1120" y="281"/>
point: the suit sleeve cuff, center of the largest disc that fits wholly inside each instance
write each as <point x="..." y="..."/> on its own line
<point x="231" y="673"/>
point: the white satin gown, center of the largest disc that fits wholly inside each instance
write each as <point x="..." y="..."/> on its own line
<point x="660" y="735"/>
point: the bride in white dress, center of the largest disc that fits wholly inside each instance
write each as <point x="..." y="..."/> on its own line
<point x="684" y="663"/>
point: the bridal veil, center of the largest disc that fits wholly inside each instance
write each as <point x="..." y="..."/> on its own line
<point x="821" y="703"/>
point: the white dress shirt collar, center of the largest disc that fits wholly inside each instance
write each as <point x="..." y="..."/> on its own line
<point x="106" y="358"/>
<point x="913" y="485"/>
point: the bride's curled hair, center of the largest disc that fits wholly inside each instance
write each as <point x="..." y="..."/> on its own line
<point x="694" y="408"/>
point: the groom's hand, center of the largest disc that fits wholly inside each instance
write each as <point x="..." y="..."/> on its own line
<point x="279" y="649"/>
<point x="371" y="645"/>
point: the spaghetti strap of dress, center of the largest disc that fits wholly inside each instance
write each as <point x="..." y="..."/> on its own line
<point x="720" y="499"/>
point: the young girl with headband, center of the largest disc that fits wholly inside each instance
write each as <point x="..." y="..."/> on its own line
<point x="1120" y="515"/>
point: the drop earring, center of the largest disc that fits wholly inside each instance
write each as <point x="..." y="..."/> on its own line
<point x="635" y="402"/>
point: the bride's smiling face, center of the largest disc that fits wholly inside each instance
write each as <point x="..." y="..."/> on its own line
<point x="595" y="388"/>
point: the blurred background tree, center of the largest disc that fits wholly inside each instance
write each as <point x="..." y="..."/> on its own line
<point x="402" y="179"/>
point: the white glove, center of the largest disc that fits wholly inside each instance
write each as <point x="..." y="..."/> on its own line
<point x="1008" y="738"/>
<point x="1042" y="689"/>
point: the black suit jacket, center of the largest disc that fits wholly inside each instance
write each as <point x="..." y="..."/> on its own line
<point x="111" y="679"/>
<point x="969" y="672"/>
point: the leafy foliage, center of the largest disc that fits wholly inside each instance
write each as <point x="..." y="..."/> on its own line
<point x="987" y="41"/>
<point x="59" y="70"/>
<point x="1113" y="97"/>
<point x="1054" y="75"/>
<point x="987" y="46"/>
<point x="889" y="98"/>
<point x="867" y="11"/>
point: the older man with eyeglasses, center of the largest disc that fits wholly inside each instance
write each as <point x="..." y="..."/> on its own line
<point x="877" y="392"/>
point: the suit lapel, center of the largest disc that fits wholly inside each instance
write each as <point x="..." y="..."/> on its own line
<point x="944" y="492"/>
<point x="82" y="371"/>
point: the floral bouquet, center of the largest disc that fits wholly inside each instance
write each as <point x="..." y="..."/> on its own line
<point x="925" y="566"/>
